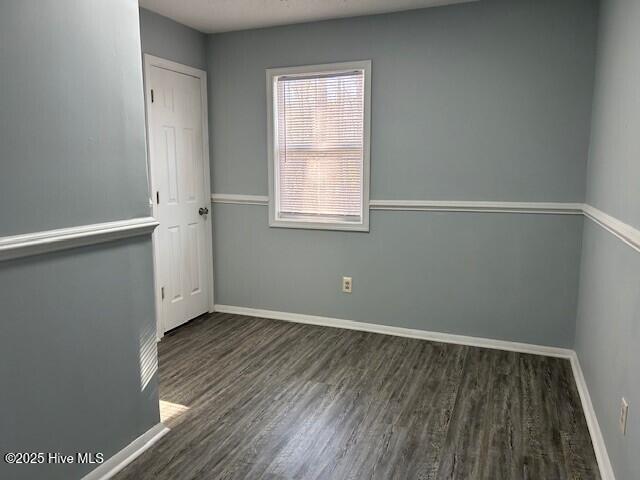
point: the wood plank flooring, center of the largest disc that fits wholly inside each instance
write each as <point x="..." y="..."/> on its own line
<point x="250" y="398"/>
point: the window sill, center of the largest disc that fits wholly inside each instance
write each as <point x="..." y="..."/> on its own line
<point x="305" y="225"/>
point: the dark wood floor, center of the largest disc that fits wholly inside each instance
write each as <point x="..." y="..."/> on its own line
<point x="253" y="399"/>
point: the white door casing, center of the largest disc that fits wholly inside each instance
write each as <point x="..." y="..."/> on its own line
<point x="180" y="187"/>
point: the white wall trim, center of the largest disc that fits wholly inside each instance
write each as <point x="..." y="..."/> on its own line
<point x="128" y="454"/>
<point x="604" y="464"/>
<point x="475" y="206"/>
<point x="275" y="219"/>
<point x="398" y="331"/>
<point x="240" y="199"/>
<point x="599" y="446"/>
<point x="624" y="231"/>
<point x="430" y="205"/>
<point x="63" y="238"/>
<point x="173" y="66"/>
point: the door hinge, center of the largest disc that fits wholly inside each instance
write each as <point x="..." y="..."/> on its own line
<point x="162" y="292"/>
<point x="158" y="197"/>
<point x="152" y="95"/>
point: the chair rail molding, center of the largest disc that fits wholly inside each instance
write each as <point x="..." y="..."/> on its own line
<point x="625" y="232"/>
<point x="430" y="205"/>
<point x="477" y="206"/>
<point x="239" y="199"/>
<point x="36" y="243"/>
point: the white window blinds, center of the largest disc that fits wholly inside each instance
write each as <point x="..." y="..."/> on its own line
<point x="319" y="146"/>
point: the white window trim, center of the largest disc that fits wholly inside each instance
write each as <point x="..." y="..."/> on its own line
<point x="305" y="70"/>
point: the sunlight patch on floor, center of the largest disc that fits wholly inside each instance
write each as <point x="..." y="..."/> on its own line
<point x="169" y="411"/>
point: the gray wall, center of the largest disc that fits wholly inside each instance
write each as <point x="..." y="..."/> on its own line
<point x="168" y="39"/>
<point x="70" y="115"/>
<point x="607" y="340"/>
<point x="77" y="332"/>
<point x="504" y="276"/>
<point x="482" y="101"/>
<point x="479" y="101"/>
<point x="613" y="183"/>
<point x="78" y="353"/>
<point x="608" y="326"/>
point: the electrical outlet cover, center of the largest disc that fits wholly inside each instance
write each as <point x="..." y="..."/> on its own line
<point x="347" y="284"/>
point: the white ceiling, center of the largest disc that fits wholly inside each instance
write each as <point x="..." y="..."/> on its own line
<point x="212" y="16"/>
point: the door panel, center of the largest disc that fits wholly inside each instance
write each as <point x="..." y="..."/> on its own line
<point x="175" y="254"/>
<point x="191" y="167"/>
<point x="194" y="260"/>
<point x="178" y="164"/>
<point x="172" y="163"/>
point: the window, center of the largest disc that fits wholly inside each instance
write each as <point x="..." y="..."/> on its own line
<point x="319" y="146"/>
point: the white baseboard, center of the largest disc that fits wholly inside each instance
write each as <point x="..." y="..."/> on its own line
<point x="606" y="470"/>
<point x="399" y="331"/>
<point x="604" y="464"/>
<point x="128" y="454"/>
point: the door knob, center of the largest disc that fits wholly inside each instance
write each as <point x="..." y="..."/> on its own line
<point x="203" y="210"/>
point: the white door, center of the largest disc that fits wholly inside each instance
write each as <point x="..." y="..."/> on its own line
<point x="179" y="172"/>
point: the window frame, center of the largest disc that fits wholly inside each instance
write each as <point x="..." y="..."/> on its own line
<point x="329" y="224"/>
